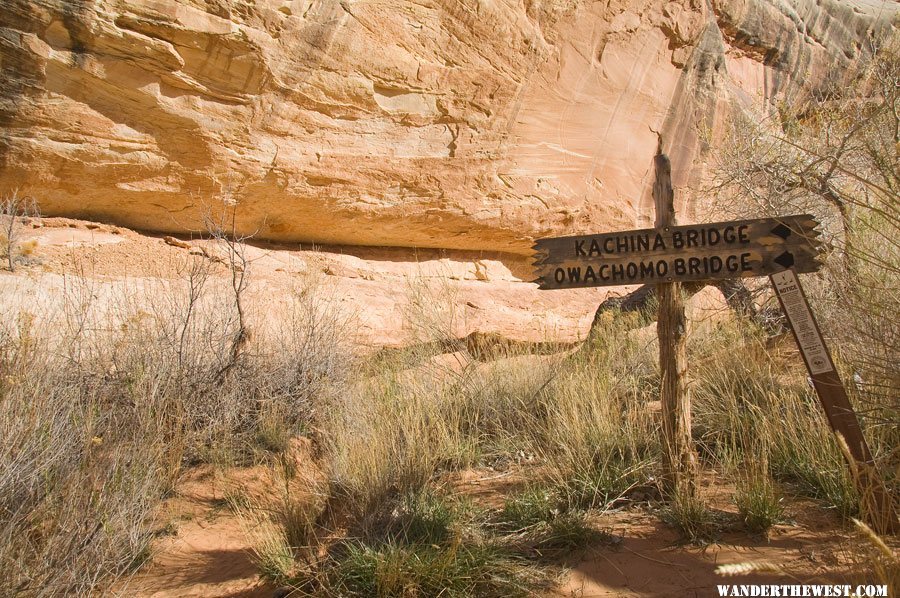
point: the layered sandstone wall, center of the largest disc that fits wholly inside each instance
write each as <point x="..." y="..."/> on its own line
<point x="468" y="124"/>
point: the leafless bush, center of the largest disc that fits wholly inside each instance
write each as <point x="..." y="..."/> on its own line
<point x="14" y="208"/>
<point x="222" y="227"/>
<point x="104" y="398"/>
<point x="838" y="158"/>
<point x="309" y="353"/>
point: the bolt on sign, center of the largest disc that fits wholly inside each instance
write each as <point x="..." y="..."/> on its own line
<point x="716" y="251"/>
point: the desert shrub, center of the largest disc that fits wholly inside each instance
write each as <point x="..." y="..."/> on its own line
<point x="500" y="405"/>
<point x="803" y="451"/>
<point x="80" y="473"/>
<point x="837" y="157"/>
<point x="759" y="409"/>
<point x="105" y="397"/>
<point x="306" y="354"/>
<point x="15" y="210"/>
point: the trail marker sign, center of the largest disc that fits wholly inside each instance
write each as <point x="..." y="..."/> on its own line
<point x="698" y="252"/>
<point x="825" y="378"/>
<point x="669" y="255"/>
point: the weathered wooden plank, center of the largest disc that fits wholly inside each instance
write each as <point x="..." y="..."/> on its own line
<point x="737" y="234"/>
<point x="678" y="267"/>
<point x="679" y="459"/>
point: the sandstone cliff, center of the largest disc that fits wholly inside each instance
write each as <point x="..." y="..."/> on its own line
<point x="469" y="124"/>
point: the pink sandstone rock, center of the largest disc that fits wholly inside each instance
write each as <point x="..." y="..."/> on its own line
<point x="473" y="124"/>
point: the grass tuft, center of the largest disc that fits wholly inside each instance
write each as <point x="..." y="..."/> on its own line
<point x="568" y="531"/>
<point x="424" y="518"/>
<point x="759" y="503"/>
<point x="692" y="518"/>
<point x="456" y="570"/>
<point x="538" y="520"/>
<point x="528" y="509"/>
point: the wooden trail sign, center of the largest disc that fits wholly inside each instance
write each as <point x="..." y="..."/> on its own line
<point x="714" y="235"/>
<point x="716" y="251"/>
<point x="669" y="255"/>
<point x="679" y="267"/>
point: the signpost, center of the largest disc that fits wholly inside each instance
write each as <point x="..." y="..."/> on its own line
<point x="669" y="255"/>
<point x="679" y="458"/>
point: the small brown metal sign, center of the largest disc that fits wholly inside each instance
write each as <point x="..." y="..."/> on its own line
<point x="715" y="251"/>
<point x="874" y="495"/>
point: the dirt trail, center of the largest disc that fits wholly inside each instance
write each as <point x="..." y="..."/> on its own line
<point x="209" y="554"/>
<point x="204" y="551"/>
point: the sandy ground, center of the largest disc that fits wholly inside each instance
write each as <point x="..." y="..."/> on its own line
<point x="206" y="552"/>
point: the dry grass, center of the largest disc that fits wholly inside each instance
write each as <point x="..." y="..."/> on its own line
<point x="884" y="562"/>
<point x="15" y="211"/>
<point x="759" y="410"/>
<point x="103" y="402"/>
<point x="100" y="414"/>
<point x="598" y="435"/>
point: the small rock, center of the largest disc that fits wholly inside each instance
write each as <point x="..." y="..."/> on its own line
<point x="481" y="271"/>
<point x="176" y="242"/>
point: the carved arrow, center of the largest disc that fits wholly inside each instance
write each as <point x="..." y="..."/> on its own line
<point x="785" y="260"/>
<point x="782" y="231"/>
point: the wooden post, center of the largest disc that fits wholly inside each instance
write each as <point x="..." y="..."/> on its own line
<point x="878" y="508"/>
<point x="679" y="460"/>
